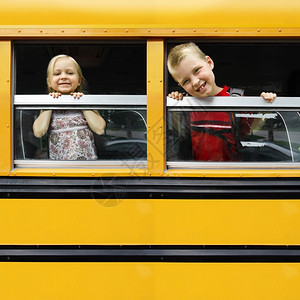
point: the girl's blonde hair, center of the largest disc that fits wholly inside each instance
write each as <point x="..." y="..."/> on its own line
<point x="179" y="52"/>
<point x="50" y="70"/>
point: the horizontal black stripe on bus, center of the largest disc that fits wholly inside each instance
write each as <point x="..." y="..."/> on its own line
<point x="180" y="254"/>
<point x="149" y="188"/>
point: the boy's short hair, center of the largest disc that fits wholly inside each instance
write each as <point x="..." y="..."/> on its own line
<point x="179" y="52"/>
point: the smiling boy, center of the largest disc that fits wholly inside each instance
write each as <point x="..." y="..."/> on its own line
<point x="213" y="134"/>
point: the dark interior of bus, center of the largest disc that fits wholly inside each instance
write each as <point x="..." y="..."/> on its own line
<point x="254" y="66"/>
<point x="113" y="68"/>
<point x="120" y="68"/>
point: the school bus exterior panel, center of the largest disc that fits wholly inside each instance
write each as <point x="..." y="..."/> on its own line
<point x="151" y="232"/>
<point x="149" y="211"/>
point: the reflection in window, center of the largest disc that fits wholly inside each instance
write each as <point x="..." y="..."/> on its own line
<point x="273" y="137"/>
<point x="124" y="137"/>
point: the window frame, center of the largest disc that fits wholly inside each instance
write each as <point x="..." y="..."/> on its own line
<point x="92" y="101"/>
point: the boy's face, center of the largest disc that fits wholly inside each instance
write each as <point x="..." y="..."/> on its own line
<point x="65" y="78"/>
<point x="195" y="75"/>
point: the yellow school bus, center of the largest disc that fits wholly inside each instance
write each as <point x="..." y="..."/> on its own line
<point x="145" y="220"/>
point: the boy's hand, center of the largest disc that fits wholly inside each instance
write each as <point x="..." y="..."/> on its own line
<point x="269" y="97"/>
<point x="176" y="95"/>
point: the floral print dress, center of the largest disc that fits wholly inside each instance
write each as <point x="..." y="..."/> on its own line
<point x="70" y="137"/>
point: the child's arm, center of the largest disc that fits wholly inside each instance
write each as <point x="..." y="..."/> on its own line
<point x="95" y="121"/>
<point x="41" y="124"/>
<point x="269" y="97"/>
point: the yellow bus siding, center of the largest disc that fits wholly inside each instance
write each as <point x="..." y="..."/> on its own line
<point x="6" y="107"/>
<point x="149" y="222"/>
<point x="104" y="222"/>
<point x="151" y="14"/>
<point x="149" y="281"/>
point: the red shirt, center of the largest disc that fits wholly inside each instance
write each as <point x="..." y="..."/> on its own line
<point x="212" y="134"/>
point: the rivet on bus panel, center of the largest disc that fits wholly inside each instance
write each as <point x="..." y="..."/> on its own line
<point x="216" y="30"/>
<point x="7" y="125"/>
<point x="258" y="30"/>
<point x="279" y="29"/>
<point x="237" y="30"/>
<point x="105" y="30"/>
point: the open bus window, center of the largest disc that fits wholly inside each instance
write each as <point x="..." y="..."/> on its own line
<point x="254" y="66"/>
<point x="113" y="70"/>
<point x="272" y="137"/>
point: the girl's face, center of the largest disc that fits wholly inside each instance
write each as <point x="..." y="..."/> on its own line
<point x="196" y="76"/>
<point x="65" y="78"/>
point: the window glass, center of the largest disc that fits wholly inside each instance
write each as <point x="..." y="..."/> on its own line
<point x="272" y="136"/>
<point x="124" y="137"/>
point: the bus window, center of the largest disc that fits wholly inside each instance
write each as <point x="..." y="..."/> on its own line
<point x="116" y="88"/>
<point x="262" y="133"/>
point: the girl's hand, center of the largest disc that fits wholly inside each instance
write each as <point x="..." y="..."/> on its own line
<point x="55" y="94"/>
<point x="269" y="97"/>
<point x="77" y="95"/>
<point x="176" y="95"/>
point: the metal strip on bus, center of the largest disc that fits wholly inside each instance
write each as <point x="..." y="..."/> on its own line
<point x="226" y="103"/>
